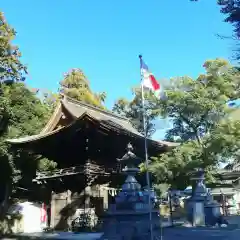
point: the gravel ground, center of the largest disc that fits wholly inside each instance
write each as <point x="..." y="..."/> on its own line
<point x="168" y="233"/>
<point x="60" y="235"/>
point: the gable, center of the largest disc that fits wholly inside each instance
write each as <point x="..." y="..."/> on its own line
<point x="78" y="109"/>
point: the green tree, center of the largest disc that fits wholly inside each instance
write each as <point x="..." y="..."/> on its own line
<point x="26" y="110"/>
<point x="27" y="115"/>
<point x="11" y="68"/>
<point x="133" y="110"/>
<point x="231" y="8"/>
<point x="197" y="109"/>
<point x="50" y="100"/>
<point x="197" y="105"/>
<point x="225" y="140"/>
<point x="101" y="97"/>
<point x="76" y="85"/>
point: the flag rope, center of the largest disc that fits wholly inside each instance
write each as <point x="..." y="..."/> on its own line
<point x="146" y="152"/>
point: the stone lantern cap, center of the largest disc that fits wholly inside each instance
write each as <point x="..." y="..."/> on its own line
<point x="130" y="160"/>
<point x="197" y="175"/>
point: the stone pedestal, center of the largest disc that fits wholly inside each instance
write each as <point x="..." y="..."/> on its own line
<point x="195" y="212"/>
<point x="129" y="224"/>
<point x="212" y="213"/>
<point x="198" y="214"/>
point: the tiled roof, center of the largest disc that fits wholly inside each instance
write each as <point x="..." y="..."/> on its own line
<point x="223" y="190"/>
<point x="78" y="110"/>
<point x="232" y="167"/>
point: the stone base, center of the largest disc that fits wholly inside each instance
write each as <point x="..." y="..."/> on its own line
<point x="130" y="226"/>
<point x="181" y="233"/>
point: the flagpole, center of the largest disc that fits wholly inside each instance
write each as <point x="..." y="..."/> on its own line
<point x="146" y="152"/>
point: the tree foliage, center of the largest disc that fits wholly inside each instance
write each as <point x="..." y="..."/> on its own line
<point x="199" y="114"/>
<point x="197" y="105"/>
<point x="76" y="85"/>
<point x="134" y="112"/>
<point x="26" y="116"/>
<point x="11" y="68"/>
<point x="231" y="8"/>
<point x="49" y="99"/>
<point x="225" y="139"/>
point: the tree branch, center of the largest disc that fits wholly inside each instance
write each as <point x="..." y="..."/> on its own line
<point x="193" y="128"/>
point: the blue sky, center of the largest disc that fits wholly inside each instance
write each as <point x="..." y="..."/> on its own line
<point x="105" y="37"/>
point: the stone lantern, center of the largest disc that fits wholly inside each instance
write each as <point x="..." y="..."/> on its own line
<point x="129" y="216"/>
<point x="201" y="209"/>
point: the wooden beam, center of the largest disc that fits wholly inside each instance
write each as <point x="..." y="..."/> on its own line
<point x="92" y="169"/>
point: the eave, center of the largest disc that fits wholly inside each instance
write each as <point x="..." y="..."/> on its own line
<point x="104" y="126"/>
<point x="53" y="120"/>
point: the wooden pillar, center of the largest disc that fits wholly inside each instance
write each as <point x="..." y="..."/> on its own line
<point x="52" y="223"/>
<point x="69" y="201"/>
<point x="104" y="195"/>
<point x="105" y="199"/>
<point x="86" y="170"/>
